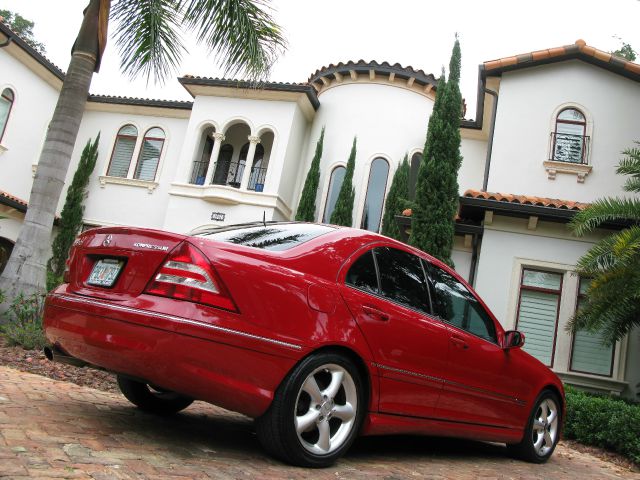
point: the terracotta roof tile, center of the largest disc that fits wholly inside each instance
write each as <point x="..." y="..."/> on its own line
<point x="527" y="200"/>
<point x="11" y="198"/>
<point x="579" y="49"/>
<point x="384" y="68"/>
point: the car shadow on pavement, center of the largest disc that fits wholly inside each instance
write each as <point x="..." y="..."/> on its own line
<point x="406" y="447"/>
<point x="203" y="428"/>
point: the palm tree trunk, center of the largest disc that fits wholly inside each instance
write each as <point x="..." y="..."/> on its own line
<point x="25" y="271"/>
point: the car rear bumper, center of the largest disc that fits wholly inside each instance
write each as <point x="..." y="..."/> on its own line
<point x="235" y="370"/>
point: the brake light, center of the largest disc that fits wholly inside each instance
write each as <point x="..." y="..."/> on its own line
<point x="188" y="275"/>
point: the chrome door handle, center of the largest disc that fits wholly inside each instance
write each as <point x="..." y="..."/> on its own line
<point x="375" y="313"/>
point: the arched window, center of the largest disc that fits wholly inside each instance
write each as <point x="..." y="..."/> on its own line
<point x="258" y="172"/>
<point x="222" y="165"/>
<point x="374" y="201"/>
<point x="335" y="182"/>
<point x="569" y="138"/>
<point x="150" y="154"/>
<point x="122" y="151"/>
<point x="6" y="102"/>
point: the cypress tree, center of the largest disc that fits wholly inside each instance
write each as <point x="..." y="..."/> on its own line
<point x="72" y="212"/>
<point x="396" y="200"/>
<point x="307" y="206"/>
<point x="343" y="211"/>
<point x="432" y="225"/>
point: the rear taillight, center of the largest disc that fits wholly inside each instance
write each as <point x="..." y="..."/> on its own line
<point x="188" y="275"/>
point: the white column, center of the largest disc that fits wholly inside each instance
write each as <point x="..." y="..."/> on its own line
<point x="218" y="138"/>
<point x="253" y="141"/>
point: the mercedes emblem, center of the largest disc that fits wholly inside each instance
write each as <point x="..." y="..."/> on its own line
<point x="107" y="240"/>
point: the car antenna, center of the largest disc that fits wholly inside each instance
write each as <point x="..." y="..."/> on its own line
<point x="264" y="218"/>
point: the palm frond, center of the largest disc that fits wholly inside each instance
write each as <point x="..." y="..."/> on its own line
<point x="148" y="37"/>
<point x="242" y="33"/>
<point x="618" y="251"/>
<point x="630" y="165"/>
<point x="605" y="210"/>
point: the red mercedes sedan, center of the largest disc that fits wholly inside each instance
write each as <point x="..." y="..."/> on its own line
<point x="318" y="332"/>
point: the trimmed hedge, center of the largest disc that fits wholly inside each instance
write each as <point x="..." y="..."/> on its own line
<point x="606" y="422"/>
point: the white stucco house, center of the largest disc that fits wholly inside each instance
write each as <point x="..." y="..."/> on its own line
<point x="549" y="130"/>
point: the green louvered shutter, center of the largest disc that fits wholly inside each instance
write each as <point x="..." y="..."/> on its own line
<point x="588" y="354"/>
<point x="123" y="151"/>
<point x="538" y="312"/>
<point x="150" y="155"/>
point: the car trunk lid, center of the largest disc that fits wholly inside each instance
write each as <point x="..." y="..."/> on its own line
<point x="117" y="262"/>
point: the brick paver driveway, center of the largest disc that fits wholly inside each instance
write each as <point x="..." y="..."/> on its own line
<point x="52" y="429"/>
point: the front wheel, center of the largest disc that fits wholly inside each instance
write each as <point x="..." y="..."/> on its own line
<point x="543" y="430"/>
<point x="316" y="413"/>
<point x="152" y="399"/>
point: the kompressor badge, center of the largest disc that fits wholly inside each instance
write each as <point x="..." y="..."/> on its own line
<point x="151" y="246"/>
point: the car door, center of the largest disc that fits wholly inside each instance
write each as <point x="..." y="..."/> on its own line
<point x="386" y="291"/>
<point x="482" y="384"/>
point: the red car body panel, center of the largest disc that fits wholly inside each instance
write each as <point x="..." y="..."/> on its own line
<point x="424" y="376"/>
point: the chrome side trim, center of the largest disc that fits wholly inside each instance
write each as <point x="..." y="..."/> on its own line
<point x="407" y="372"/>
<point x="497" y="395"/>
<point x="176" y="319"/>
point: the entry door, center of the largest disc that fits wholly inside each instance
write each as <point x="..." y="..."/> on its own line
<point x="386" y="291"/>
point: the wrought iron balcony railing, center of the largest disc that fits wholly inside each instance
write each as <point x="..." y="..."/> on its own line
<point x="199" y="172"/>
<point x="256" y="179"/>
<point x="569" y="148"/>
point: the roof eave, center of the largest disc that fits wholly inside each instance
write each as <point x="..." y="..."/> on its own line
<point x="13" y="37"/>
<point x="307" y="90"/>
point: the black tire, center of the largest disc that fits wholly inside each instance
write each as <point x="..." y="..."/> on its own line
<point x="151" y="399"/>
<point x="540" y="429"/>
<point x="281" y="430"/>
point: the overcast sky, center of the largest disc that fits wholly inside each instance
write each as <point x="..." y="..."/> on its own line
<point x="418" y="33"/>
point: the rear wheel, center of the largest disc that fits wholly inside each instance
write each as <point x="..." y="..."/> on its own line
<point x="543" y="430"/>
<point x="316" y="413"/>
<point x="152" y="399"/>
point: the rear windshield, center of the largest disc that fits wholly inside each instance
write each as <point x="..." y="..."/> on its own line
<point x="270" y="237"/>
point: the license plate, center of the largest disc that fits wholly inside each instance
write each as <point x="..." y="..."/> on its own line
<point x="105" y="272"/>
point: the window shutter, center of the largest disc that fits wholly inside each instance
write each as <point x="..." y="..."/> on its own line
<point x="121" y="159"/>
<point x="149" y="158"/>
<point x="6" y="101"/>
<point x="538" y="312"/>
<point x="589" y="355"/>
<point x="537" y="320"/>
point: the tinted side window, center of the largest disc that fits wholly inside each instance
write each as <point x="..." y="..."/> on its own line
<point x="362" y="274"/>
<point x="455" y="304"/>
<point x="402" y="278"/>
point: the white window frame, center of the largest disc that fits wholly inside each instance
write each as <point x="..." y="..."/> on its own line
<point x="129" y="180"/>
<point x="553" y="167"/>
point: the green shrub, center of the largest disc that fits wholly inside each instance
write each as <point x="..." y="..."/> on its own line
<point x="24" y="322"/>
<point x="606" y="422"/>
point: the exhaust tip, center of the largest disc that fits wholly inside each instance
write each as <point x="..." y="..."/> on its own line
<point x="48" y="353"/>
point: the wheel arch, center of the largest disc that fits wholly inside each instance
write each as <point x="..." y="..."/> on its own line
<point x="558" y="393"/>
<point x="352" y="355"/>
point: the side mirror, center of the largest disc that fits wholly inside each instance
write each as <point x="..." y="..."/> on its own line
<point x="513" y="339"/>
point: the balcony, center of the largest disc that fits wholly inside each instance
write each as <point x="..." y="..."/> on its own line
<point x="569" y="148"/>
<point x="568" y="153"/>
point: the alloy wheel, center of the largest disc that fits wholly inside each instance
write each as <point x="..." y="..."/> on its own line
<point x="326" y="408"/>
<point x="545" y="427"/>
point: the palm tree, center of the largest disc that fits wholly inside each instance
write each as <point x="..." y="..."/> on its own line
<point x="613" y="298"/>
<point x="148" y="35"/>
